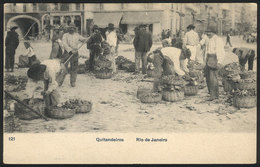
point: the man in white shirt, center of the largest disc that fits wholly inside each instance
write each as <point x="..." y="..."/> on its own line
<point x="111" y="38"/>
<point x="168" y="61"/>
<point x="71" y="41"/>
<point x="215" y="54"/>
<point x="48" y="72"/>
<point x="191" y="41"/>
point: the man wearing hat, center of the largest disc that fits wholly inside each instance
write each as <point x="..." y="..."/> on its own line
<point x="71" y="41"/>
<point x="215" y="54"/>
<point x="57" y="45"/>
<point x="11" y="44"/>
<point x="191" y="41"/>
<point x="142" y="43"/>
<point x="111" y="38"/>
<point x="94" y="46"/>
<point x="48" y="72"/>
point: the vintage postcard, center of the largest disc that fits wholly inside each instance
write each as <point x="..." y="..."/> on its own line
<point x="130" y="83"/>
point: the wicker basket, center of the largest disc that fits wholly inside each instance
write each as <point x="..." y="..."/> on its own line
<point x="227" y="85"/>
<point x="191" y="90"/>
<point x="176" y="82"/>
<point x="246" y="75"/>
<point x="172" y="96"/>
<point x="103" y="64"/>
<point x="150" y="97"/>
<point x="141" y="91"/>
<point x="60" y="113"/>
<point x="85" y="108"/>
<point x="244" y="101"/>
<point x="244" y="85"/>
<point x="104" y="74"/>
<point x="25" y="114"/>
<point x="150" y="73"/>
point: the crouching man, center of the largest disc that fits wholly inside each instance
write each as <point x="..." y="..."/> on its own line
<point x="48" y="72"/>
<point x="168" y="61"/>
<point x="245" y="55"/>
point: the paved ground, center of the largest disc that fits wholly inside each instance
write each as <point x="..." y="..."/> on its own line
<point x="116" y="108"/>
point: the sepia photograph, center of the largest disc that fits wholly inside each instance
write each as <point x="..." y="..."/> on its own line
<point x="93" y="68"/>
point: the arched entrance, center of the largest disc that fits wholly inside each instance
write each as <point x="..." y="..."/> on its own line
<point x="27" y="25"/>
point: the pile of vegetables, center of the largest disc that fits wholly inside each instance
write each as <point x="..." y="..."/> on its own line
<point x="173" y="80"/>
<point x="74" y="103"/>
<point x="193" y="65"/>
<point x="232" y="68"/>
<point x="249" y="92"/>
<point x="18" y="81"/>
<point x="125" y="64"/>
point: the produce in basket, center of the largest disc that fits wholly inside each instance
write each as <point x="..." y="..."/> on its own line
<point x="81" y="106"/>
<point x="150" y="97"/>
<point x="104" y="74"/>
<point x="173" y="95"/>
<point x="103" y="63"/>
<point x="173" y="80"/>
<point x="25" y="114"/>
<point x="232" y="68"/>
<point x="244" y="84"/>
<point x="194" y="65"/>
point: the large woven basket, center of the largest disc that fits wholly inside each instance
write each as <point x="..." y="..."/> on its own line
<point x="103" y="74"/>
<point x="176" y="82"/>
<point x="191" y="90"/>
<point x="244" y="85"/>
<point x="227" y="85"/>
<point x="60" y="113"/>
<point x="85" y="108"/>
<point x="103" y="64"/>
<point x="172" y="96"/>
<point x="141" y="91"/>
<point x="244" y="101"/>
<point x="25" y="114"/>
<point x="150" y="97"/>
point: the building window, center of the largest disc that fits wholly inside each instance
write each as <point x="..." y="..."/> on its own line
<point x="64" y="7"/>
<point x="34" y="7"/>
<point x="77" y="6"/>
<point x="42" y="7"/>
<point x="24" y="7"/>
<point x="56" y="6"/>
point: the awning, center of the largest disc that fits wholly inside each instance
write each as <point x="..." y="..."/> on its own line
<point x="141" y="17"/>
<point x="102" y="19"/>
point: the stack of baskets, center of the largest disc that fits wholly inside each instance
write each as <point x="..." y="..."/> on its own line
<point x="103" y="69"/>
<point x="245" y="90"/>
<point x="172" y="88"/>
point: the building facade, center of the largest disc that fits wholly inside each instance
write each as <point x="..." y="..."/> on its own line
<point x="35" y="19"/>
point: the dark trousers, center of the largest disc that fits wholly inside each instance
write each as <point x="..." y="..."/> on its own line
<point x="250" y="59"/>
<point x="212" y="81"/>
<point x="9" y="58"/>
<point x="74" y="61"/>
<point x="228" y="42"/>
<point x="93" y="55"/>
<point x="138" y="57"/>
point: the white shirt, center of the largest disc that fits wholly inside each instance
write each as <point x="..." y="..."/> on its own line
<point x="53" y="67"/>
<point x="71" y="41"/>
<point x="111" y="38"/>
<point x="191" y="38"/>
<point x="204" y="40"/>
<point x="174" y="54"/>
<point x="30" y="52"/>
<point x="215" y="46"/>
